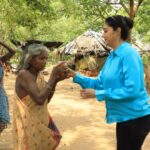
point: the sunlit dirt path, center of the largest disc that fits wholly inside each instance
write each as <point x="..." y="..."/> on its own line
<point x="81" y="122"/>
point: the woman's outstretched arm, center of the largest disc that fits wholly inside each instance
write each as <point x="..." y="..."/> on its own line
<point x="8" y="55"/>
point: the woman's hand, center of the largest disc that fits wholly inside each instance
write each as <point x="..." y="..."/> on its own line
<point x="7" y="56"/>
<point x="87" y="93"/>
<point x="59" y="72"/>
<point x="70" y="73"/>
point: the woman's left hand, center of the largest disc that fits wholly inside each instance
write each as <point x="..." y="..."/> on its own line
<point x="87" y="93"/>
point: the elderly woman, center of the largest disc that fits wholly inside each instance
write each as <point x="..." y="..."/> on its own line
<point x="4" y="111"/>
<point x="33" y="126"/>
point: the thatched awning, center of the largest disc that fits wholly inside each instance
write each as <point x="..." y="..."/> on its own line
<point x="89" y="42"/>
<point x="48" y="44"/>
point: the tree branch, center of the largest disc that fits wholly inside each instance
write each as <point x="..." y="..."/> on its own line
<point x="124" y="6"/>
<point x="132" y="9"/>
<point x="137" y="7"/>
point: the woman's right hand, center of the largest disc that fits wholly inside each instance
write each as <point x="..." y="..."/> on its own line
<point x="70" y="73"/>
<point x="59" y="72"/>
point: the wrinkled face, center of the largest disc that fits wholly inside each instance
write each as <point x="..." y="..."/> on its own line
<point x="39" y="61"/>
<point x="110" y="35"/>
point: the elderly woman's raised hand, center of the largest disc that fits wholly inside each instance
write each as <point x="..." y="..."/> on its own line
<point x="70" y="73"/>
<point x="59" y="71"/>
<point x="70" y="69"/>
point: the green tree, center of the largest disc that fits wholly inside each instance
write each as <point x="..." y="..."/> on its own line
<point x="65" y="19"/>
<point x="142" y="21"/>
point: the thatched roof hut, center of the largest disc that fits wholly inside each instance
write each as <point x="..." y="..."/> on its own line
<point x="90" y="52"/>
<point x="88" y="42"/>
<point x="48" y="44"/>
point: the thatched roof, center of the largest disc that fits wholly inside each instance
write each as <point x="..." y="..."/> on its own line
<point x="89" y="41"/>
<point x="48" y="44"/>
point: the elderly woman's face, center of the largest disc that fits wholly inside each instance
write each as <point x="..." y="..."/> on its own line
<point x="39" y="61"/>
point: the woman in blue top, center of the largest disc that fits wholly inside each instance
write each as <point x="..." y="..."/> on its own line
<point x="4" y="109"/>
<point x="121" y="85"/>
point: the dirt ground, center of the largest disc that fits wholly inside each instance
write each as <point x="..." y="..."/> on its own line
<point x="81" y="122"/>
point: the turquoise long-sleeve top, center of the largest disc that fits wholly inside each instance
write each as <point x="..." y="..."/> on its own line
<point x="120" y="84"/>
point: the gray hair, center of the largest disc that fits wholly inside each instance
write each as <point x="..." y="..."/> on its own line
<point x="31" y="51"/>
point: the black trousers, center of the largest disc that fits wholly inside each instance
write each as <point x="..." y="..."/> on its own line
<point x="131" y="134"/>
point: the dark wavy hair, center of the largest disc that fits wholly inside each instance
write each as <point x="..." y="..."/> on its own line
<point x="123" y="22"/>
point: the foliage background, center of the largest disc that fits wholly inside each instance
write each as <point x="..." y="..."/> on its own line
<point x="63" y="20"/>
